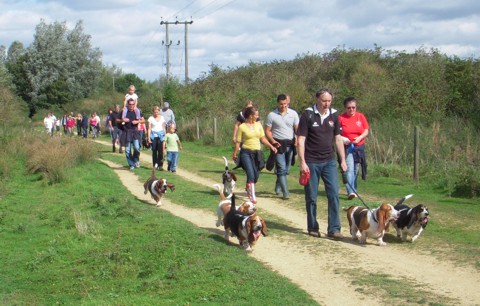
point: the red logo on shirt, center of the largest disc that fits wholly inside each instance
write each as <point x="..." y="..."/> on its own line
<point x="330" y="123"/>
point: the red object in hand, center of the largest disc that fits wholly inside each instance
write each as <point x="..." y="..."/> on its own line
<point x="304" y="178"/>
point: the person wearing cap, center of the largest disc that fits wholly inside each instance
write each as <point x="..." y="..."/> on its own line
<point x="318" y="134"/>
<point x="167" y="114"/>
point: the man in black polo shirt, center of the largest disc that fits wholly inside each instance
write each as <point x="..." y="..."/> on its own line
<point x="132" y="135"/>
<point x="317" y="136"/>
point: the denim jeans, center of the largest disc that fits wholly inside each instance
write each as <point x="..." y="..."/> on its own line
<point x="327" y="171"/>
<point x="282" y="163"/>
<point x="250" y="166"/>
<point x="352" y="174"/>
<point x="172" y="158"/>
<point x="136" y="152"/>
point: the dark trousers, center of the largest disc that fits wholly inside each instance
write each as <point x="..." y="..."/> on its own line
<point x="157" y="152"/>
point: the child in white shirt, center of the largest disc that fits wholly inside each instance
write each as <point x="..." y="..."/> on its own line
<point x="131" y="95"/>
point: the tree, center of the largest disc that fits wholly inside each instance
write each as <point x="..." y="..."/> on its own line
<point x="15" y="51"/>
<point x="60" y="66"/>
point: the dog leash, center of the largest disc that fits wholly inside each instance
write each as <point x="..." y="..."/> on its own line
<point x="345" y="181"/>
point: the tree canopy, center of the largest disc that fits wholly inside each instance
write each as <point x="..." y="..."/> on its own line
<point x="59" y="67"/>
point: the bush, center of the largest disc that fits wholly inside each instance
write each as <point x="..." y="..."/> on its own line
<point x="54" y="157"/>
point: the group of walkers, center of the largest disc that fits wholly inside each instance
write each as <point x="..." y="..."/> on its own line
<point x="68" y="124"/>
<point x="320" y="136"/>
<point x="129" y="130"/>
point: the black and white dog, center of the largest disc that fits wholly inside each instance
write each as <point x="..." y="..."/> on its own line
<point x="410" y="221"/>
<point x="229" y="180"/>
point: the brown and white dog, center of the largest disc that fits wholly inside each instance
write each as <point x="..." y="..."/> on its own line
<point x="246" y="227"/>
<point x="370" y="223"/>
<point x="229" y="180"/>
<point x="157" y="187"/>
<point x="410" y="221"/>
<point x="224" y="205"/>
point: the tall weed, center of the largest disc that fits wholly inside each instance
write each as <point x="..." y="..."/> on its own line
<point x="55" y="157"/>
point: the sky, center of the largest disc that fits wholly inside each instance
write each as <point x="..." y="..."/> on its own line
<point x="233" y="33"/>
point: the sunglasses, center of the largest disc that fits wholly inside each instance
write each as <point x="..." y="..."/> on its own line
<point x="351" y="107"/>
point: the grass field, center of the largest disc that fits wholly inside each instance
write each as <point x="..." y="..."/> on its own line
<point x="86" y="240"/>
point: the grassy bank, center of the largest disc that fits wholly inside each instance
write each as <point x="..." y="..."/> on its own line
<point x="86" y="240"/>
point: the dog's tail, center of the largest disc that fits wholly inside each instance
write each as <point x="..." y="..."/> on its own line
<point x="232" y="207"/>
<point x="220" y="191"/>
<point x="226" y="162"/>
<point x="153" y="169"/>
<point x="404" y="199"/>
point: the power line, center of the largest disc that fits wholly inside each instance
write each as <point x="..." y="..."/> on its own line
<point x="216" y="9"/>
<point x="176" y="14"/>
<point x="204" y="7"/>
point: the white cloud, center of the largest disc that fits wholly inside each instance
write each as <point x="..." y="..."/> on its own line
<point x="232" y="33"/>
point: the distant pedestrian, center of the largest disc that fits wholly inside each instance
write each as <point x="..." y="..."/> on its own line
<point x="70" y="125"/>
<point x="172" y="146"/>
<point x="130" y="95"/>
<point x="93" y="125"/>
<point x="131" y="135"/>
<point x="85" y="121"/>
<point x="48" y="124"/>
<point x="64" y="122"/>
<point x="155" y="136"/>
<point x="167" y="114"/>
<point x="116" y="126"/>
<point x="79" y="120"/>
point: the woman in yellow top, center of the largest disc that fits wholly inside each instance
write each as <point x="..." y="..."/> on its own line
<point x="250" y="134"/>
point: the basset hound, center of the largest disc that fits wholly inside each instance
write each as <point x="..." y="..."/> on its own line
<point x="246" y="227"/>
<point x="157" y="187"/>
<point x="410" y="221"/>
<point x="370" y="223"/>
<point x="224" y="206"/>
<point x="229" y="180"/>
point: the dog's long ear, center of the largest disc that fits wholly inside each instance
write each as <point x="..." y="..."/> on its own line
<point x="171" y="186"/>
<point x="381" y="216"/>
<point x="413" y="217"/>
<point x="248" y="226"/>
<point x="234" y="177"/>
<point x="264" y="227"/>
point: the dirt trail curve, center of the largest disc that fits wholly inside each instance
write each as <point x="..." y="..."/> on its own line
<point x="321" y="266"/>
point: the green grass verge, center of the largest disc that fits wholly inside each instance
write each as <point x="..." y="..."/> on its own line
<point x="88" y="241"/>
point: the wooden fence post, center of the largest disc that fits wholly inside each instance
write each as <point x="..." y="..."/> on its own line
<point x="198" y="127"/>
<point x="416" y="154"/>
<point x="214" y="130"/>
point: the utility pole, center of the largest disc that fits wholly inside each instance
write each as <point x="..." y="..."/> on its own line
<point x="168" y="43"/>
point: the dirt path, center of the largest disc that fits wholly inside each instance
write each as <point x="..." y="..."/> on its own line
<point x="322" y="267"/>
